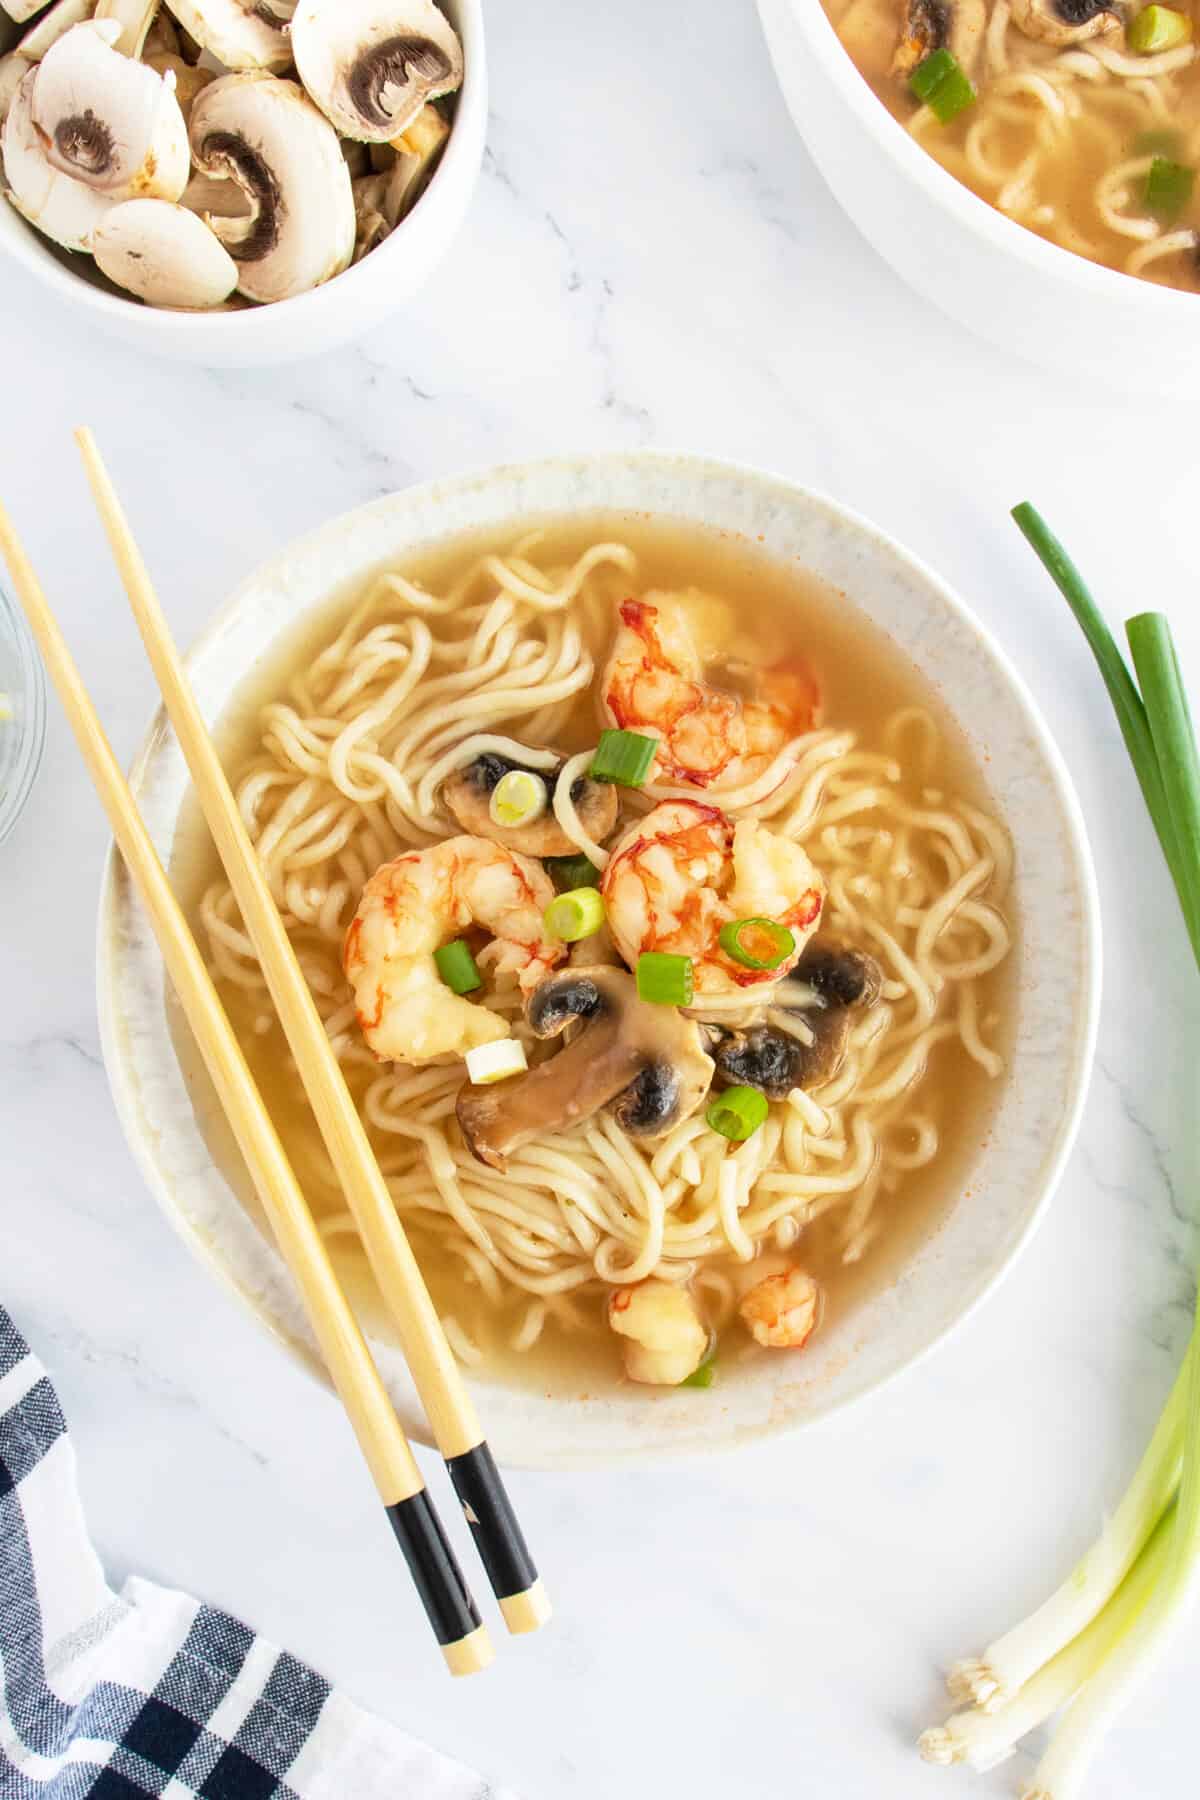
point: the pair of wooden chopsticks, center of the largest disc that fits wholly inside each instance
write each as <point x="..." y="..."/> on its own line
<point x="438" y="1578"/>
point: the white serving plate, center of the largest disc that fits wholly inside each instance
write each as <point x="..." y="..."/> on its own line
<point x="1013" y="1174"/>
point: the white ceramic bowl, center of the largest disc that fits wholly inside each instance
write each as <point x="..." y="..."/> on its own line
<point x="996" y="277"/>
<point x="311" y="323"/>
<point x="1057" y="993"/>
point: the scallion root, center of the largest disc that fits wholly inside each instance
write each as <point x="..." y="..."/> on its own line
<point x="973" y="1682"/>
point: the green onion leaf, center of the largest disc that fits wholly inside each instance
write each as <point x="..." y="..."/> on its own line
<point x="703" y="1376"/>
<point x="942" y="83"/>
<point x="665" y="979"/>
<point x="1168" y="189"/>
<point x="457" y="967"/>
<point x="518" y="798"/>
<point x="737" y="1113"/>
<point x="624" y="757"/>
<point x="575" y="915"/>
<point x="757" y="943"/>
<point x="568" y="872"/>
<point x="1158" y="28"/>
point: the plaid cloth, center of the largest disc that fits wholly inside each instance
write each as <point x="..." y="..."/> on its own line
<point x="149" y="1692"/>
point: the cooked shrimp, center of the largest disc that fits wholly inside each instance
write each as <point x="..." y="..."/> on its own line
<point x="411" y="907"/>
<point x="686" y="869"/>
<point x="665" y="1337"/>
<point x="781" y="1311"/>
<point x="655" y="680"/>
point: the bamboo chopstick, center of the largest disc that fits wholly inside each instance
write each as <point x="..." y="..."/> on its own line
<point x="438" y="1578"/>
<point x="447" y="1404"/>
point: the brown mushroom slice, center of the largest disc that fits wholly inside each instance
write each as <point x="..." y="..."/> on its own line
<point x="468" y="795"/>
<point x="928" y="25"/>
<point x="775" y="1060"/>
<point x="1066" y="22"/>
<point x="621" y="1037"/>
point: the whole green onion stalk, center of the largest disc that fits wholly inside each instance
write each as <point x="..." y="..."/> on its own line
<point x="1096" y="1637"/>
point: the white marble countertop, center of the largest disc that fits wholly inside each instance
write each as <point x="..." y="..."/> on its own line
<point x="650" y="258"/>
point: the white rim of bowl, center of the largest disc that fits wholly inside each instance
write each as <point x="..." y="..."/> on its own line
<point x="118" y="1068"/>
<point x="257" y="321"/>
<point x="955" y="196"/>
<point x="32" y="740"/>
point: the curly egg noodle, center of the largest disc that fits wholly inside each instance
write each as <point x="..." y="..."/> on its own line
<point x="346" y="775"/>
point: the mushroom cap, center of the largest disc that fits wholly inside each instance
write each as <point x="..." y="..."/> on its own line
<point x="241" y="34"/>
<point x="109" y="121"/>
<point x="135" y="17"/>
<point x="371" y="65"/>
<point x="467" y="792"/>
<point x="1064" y="22"/>
<point x="165" y="255"/>
<point x="54" y="23"/>
<point x="268" y="137"/>
<point x="622" y="1036"/>
<point x="64" y="210"/>
<point x="774" y="1060"/>
<point x="13" y="69"/>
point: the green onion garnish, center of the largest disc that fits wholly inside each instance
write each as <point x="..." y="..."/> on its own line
<point x="575" y="915"/>
<point x="1168" y="188"/>
<point x="942" y="83"/>
<point x="757" y="943"/>
<point x="568" y="872"/>
<point x="737" y="1113"/>
<point x="457" y="967"/>
<point x="624" y="757"/>
<point x="664" y="979"/>
<point x="703" y="1376"/>
<point x="518" y="798"/>
<point x="1158" y="28"/>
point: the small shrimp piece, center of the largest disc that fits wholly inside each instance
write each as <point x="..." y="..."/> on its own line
<point x="414" y="905"/>
<point x="709" y="738"/>
<point x="686" y="869"/>
<point x="665" y="1336"/>
<point x="781" y="1312"/>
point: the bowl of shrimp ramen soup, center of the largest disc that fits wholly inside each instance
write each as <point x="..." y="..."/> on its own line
<point x="1028" y="165"/>
<point x="701" y="918"/>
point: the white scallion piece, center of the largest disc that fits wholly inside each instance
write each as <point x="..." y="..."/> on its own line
<point x="518" y="798"/>
<point x="496" y="1062"/>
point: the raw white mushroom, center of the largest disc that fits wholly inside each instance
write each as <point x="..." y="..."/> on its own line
<point x="190" y="79"/>
<point x="223" y="199"/>
<point x="20" y="10"/>
<point x="417" y="152"/>
<point x="371" y="65"/>
<point x="13" y="69"/>
<point x="242" y="34"/>
<point x="135" y="17"/>
<point x="162" y="39"/>
<point x="266" y="135"/>
<point x="165" y="255"/>
<point x="54" y="23"/>
<point x="109" y="121"/>
<point x="65" y="210"/>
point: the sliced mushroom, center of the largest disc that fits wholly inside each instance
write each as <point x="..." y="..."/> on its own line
<point x="190" y="80"/>
<point x="371" y="227"/>
<point x="621" y="1039"/>
<point x="358" y="159"/>
<point x="108" y="121"/>
<point x="54" y="23"/>
<point x="13" y="69"/>
<point x="371" y="65"/>
<point x="418" y="151"/>
<point x="665" y="1337"/>
<point x="1063" y="22"/>
<point x="135" y="17"/>
<point x="928" y="25"/>
<point x="162" y="39"/>
<point x="223" y="199"/>
<point x="165" y="255"/>
<point x="66" y="211"/>
<point x="20" y="10"/>
<point x="268" y="137"/>
<point x="468" y="795"/>
<point x="774" y="1060"/>
<point x="241" y="34"/>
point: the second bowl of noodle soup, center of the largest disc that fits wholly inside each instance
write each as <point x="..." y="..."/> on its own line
<point x="701" y="1214"/>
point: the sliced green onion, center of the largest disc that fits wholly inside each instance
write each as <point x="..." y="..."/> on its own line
<point x="575" y="915"/>
<point x="518" y="798"/>
<point x="569" y="872"/>
<point x="757" y="943"/>
<point x="496" y="1061"/>
<point x="1168" y="188"/>
<point x="737" y="1113"/>
<point x="942" y="83"/>
<point x="457" y="967"/>
<point x="624" y="757"/>
<point x="665" y="979"/>
<point x="1158" y="28"/>
<point x="703" y="1376"/>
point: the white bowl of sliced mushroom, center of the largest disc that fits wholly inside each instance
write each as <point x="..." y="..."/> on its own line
<point x="233" y="182"/>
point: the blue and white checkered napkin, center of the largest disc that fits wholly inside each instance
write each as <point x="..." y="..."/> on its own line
<point x="149" y="1692"/>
